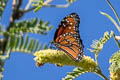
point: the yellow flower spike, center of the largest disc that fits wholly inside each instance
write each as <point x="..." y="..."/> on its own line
<point x="61" y="58"/>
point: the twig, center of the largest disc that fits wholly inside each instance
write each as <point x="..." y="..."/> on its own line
<point x="117" y="42"/>
<point x="57" y="6"/>
<point x="28" y="4"/>
<point x="47" y="5"/>
<point x="27" y="10"/>
<point x="47" y="2"/>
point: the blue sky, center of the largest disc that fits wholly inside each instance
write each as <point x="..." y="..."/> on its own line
<point x="21" y="66"/>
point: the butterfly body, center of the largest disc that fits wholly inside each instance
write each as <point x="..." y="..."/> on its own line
<point x="67" y="37"/>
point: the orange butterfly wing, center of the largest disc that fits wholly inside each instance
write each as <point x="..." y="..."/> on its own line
<point x="71" y="46"/>
<point x="67" y="37"/>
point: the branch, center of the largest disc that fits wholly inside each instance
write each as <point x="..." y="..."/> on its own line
<point x="11" y="22"/>
<point x="16" y="14"/>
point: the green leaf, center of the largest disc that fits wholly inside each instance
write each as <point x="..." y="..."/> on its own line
<point x="2" y="6"/>
<point x="40" y="46"/>
<point x="113" y="9"/>
<point x="31" y="44"/>
<point x="36" y="46"/>
<point x="45" y="46"/>
<point x="111" y="19"/>
<point x="76" y="72"/>
<point x="32" y="26"/>
<point x="98" y="44"/>
<point x="17" y="43"/>
<point x="0" y="28"/>
<point x="26" y="41"/>
<point x="38" y="5"/>
<point x="1" y="44"/>
<point x="21" y="42"/>
<point x="115" y="62"/>
<point x="12" y="41"/>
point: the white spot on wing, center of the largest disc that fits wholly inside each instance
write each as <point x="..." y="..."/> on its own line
<point x="71" y="23"/>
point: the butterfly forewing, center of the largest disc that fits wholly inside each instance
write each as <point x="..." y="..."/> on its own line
<point x="69" y="24"/>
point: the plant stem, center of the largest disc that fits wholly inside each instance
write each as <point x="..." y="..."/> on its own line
<point x="28" y="4"/>
<point x="104" y="77"/>
<point x="113" y="21"/>
<point x="117" y="42"/>
<point x="101" y="75"/>
<point x="96" y="57"/>
<point x="114" y="11"/>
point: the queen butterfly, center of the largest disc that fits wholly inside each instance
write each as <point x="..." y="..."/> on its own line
<point x="67" y="37"/>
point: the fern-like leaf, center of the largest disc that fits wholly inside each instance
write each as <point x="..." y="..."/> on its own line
<point x="98" y="44"/>
<point x="112" y="20"/>
<point x="37" y="4"/>
<point x="1" y="46"/>
<point x="0" y="29"/>
<point x="32" y="26"/>
<point x="19" y="44"/>
<point x="2" y="6"/>
<point x="76" y="72"/>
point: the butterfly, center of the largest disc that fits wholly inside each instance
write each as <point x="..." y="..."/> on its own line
<point x="67" y="37"/>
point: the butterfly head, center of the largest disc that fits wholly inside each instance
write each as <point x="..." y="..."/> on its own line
<point x="54" y="43"/>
